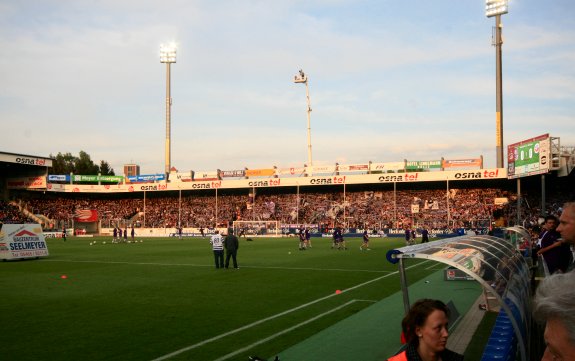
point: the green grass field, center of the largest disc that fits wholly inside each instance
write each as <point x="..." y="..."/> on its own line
<point x="148" y="300"/>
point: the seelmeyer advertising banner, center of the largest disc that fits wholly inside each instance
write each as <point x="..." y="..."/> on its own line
<point x="409" y="177"/>
<point x="86" y="215"/>
<point x="26" y="183"/>
<point x="22" y="241"/>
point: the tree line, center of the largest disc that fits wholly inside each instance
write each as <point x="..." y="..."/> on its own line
<point x="82" y="164"/>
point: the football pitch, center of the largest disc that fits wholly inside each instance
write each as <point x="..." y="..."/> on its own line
<point x="163" y="298"/>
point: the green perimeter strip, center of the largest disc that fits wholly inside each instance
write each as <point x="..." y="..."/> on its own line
<point x="374" y="333"/>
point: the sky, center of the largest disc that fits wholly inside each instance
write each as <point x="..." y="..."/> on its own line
<point x="388" y="80"/>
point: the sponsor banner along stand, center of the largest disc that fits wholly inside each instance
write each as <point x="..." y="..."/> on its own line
<point x="19" y="241"/>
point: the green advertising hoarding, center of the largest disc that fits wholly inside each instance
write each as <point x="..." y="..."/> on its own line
<point x="423" y="164"/>
<point x="96" y="178"/>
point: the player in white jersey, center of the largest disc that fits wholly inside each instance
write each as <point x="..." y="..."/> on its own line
<point x="217" y="243"/>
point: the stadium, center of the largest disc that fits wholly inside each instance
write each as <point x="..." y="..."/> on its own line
<point x="158" y="288"/>
<point x="335" y="259"/>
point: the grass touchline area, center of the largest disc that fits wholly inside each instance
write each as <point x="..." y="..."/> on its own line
<point x="142" y="301"/>
<point x="205" y="265"/>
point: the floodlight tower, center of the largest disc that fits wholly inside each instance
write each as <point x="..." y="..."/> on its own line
<point x="302" y="78"/>
<point x="497" y="8"/>
<point x="168" y="56"/>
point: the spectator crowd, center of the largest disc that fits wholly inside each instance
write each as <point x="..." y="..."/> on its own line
<point x="436" y="209"/>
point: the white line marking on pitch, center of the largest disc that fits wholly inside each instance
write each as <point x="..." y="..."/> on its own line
<point x="225" y="357"/>
<point x="203" y="265"/>
<point x="253" y="324"/>
<point x="436" y="264"/>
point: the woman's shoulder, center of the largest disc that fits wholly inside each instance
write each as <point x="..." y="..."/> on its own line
<point x="449" y="355"/>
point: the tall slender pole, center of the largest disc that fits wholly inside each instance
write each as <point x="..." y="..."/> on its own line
<point x="301" y="77"/>
<point x="168" y="120"/>
<point x="309" y="160"/>
<point x="168" y="56"/>
<point x="216" y="207"/>
<point x="180" y="209"/>
<point x="499" y="91"/>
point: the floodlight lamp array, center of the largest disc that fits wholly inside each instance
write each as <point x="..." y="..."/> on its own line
<point x="300" y="78"/>
<point x="496" y="7"/>
<point x="168" y="53"/>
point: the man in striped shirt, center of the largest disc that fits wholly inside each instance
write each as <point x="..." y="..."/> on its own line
<point x="218" y="248"/>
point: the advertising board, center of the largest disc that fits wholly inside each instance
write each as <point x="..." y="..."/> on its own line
<point x="22" y="241"/>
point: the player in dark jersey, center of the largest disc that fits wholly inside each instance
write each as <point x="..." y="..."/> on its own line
<point x="302" y="238"/>
<point x="365" y="243"/>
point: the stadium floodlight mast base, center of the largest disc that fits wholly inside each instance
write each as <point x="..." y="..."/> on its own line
<point x="168" y="56"/>
<point x="302" y="78"/>
<point x="497" y="8"/>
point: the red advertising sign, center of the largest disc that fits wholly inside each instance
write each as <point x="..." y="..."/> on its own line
<point x="86" y="215"/>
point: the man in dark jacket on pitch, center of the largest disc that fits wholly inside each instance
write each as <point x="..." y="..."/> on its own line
<point x="231" y="244"/>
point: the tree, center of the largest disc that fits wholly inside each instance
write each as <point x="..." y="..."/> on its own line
<point x="63" y="163"/>
<point x="105" y="168"/>
<point x="67" y="163"/>
<point x="85" y="165"/>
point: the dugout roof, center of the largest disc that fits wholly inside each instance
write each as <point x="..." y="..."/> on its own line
<point x="493" y="262"/>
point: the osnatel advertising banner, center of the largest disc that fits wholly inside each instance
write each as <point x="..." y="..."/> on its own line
<point x="22" y="241"/>
<point x="25" y="159"/>
<point x="379" y="178"/>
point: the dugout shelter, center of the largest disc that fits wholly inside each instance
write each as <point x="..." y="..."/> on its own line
<point x="499" y="268"/>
